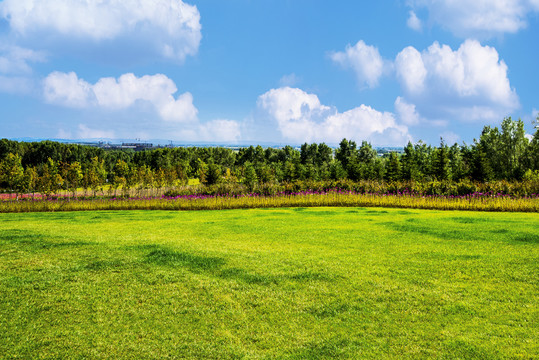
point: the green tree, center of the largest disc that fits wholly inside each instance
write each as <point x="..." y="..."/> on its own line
<point x="96" y="174"/>
<point x="336" y="170"/>
<point x="250" y="178"/>
<point x="202" y="170"/>
<point x="441" y="168"/>
<point x="120" y="174"/>
<point x="214" y="175"/>
<point x="50" y="180"/>
<point x="11" y="173"/>
<point x="30" y="180"/>
<point x="344" y="152"/>
<point x="74" y="176"/>
<point x="513" y="147"/>
<point x="393" y="168"/>
<point x="410" y="169"/>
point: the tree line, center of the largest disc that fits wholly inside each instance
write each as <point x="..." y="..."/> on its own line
<point x="503" y="153"/>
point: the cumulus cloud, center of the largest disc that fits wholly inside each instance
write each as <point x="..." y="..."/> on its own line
<point x="469" y="83"/>
<point x="169" y="27"/>
<point x="479" y="18"/>
<point x="300" y="117"/>
<point x="406" y="112"/>
<point x="365" y="60"/>
<point x="146" y="95"/>
<point x="413" y="22"/>
<point x="411" y="70"/>
<point x="67" y="89"/>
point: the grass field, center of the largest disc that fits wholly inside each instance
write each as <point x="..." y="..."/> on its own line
<point x="300" y="283"/>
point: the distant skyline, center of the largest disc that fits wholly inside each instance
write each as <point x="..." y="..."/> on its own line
<point x="282" y="71"/>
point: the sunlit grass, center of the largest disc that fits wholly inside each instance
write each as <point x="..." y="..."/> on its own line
<point x="299" y="283"/>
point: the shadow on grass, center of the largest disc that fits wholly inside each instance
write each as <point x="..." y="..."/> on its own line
<point x="258" y="279"/>
<point x="158" y="255"/>
<point x="526" y="238"/>
<point x="413" y="227"/>
<point x="460" y="349"/>
<point x="167" y="257"/>
<point x="324" y="349"/>
<point x="31" y="241"/>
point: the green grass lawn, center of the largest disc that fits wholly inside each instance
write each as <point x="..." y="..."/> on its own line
<point x="269" y="284"/>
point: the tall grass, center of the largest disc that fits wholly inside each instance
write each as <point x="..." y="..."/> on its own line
<point x="475" y="202"/>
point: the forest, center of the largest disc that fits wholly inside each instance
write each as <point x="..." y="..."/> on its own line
<point x="500" y="160"/>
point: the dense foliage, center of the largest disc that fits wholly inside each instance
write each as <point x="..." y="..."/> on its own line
<point x="501" y="156"/>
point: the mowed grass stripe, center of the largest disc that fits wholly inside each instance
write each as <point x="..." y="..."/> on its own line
<point x="300" y="283"/>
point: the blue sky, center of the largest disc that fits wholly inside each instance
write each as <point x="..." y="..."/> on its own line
<point x="281" y="71"/>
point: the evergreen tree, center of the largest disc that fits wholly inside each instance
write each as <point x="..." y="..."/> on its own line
<point x="393" y="169"/>
<point x="441" y="162"/>
<point x="249" y="176"/>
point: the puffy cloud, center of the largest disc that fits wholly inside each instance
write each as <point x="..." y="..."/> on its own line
<point x="129" y="93"/>
<point x="469" y="83"/>
<point x="170" y="27"/>
<point x="407" y="112"/>
<point x="301" y="117"/>
<point x="483" y="18"/>
<point x="411" y="69"/>
<point x="365" y="60"/>
<point x="413" y="22"/>
<point x="68" y="90"/>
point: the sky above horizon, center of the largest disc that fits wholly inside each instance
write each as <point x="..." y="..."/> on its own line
<point x="281" y="71"/>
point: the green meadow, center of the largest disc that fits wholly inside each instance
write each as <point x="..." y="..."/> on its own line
<point x="288" y="283"/>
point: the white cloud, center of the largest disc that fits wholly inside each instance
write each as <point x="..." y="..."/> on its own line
<point x="479" y="18"/>
<point x="411" y="70"/>
<point x="169" y="27"/>
<point x="301" y="117"/>
<point x="407" y="112"/>
<point x="365" y="60"/>
<point x="469" y="83"/>
<point x="67" y="89"/>
<point x="413" y="22"/>
<point x="136" y="95"/>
